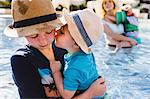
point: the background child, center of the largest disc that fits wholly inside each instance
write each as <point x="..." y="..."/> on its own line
<point x="130" y="21"/>
<point x="83" y="29"/>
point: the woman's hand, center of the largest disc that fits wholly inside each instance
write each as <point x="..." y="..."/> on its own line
<point x="133" y="42"/>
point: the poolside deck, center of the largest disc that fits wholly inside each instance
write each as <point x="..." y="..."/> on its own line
<point x="5" y="12"/>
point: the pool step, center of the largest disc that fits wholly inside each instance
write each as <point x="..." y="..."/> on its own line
<point x="5" y="11"/>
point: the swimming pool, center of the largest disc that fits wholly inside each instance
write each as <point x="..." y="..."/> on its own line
<point x="127" y="72"/>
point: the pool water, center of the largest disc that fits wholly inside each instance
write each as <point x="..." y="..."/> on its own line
<point x="126" y="72"/>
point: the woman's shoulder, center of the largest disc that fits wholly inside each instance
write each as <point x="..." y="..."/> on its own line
<point x="108" y="22"/>
<point x="114" y="27"/>
<point x="104" y="20"/>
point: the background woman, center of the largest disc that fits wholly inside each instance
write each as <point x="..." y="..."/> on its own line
<point x="113" y="32"/>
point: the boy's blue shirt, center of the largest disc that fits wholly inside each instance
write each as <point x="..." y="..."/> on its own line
<point x="80" y="71"/>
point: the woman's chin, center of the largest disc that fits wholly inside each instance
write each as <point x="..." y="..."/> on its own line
<point x="109" y="9"/>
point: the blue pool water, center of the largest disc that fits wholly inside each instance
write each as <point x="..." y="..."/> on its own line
<point x="127" y="72"/>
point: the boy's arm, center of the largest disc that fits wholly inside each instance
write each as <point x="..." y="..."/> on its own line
<point x="98" y="88"/>
<point x="59" y="80"/>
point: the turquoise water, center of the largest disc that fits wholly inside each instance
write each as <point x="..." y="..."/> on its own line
<point x="127" y="72"/>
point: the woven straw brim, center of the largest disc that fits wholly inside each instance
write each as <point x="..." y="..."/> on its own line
<point x="76" y="34"/>
<point x="92" y="25"/>
<point x="33" y="29"/>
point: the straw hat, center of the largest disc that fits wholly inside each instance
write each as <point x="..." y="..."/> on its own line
<point x="32" y="17"/>
<point x="85" y="28"/>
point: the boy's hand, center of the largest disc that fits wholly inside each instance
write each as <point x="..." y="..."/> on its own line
<point x="55" y="66"/>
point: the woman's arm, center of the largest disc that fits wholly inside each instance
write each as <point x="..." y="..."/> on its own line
<point x="98" y="88"/>
<point x="116" y="36"/>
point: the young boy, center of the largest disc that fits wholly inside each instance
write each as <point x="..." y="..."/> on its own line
<point x="83" y="28"/>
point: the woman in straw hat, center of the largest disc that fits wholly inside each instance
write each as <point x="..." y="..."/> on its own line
<point x="36" y="20"/>
<point x="113" y="32"/>
<point x="80" y="67"/>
